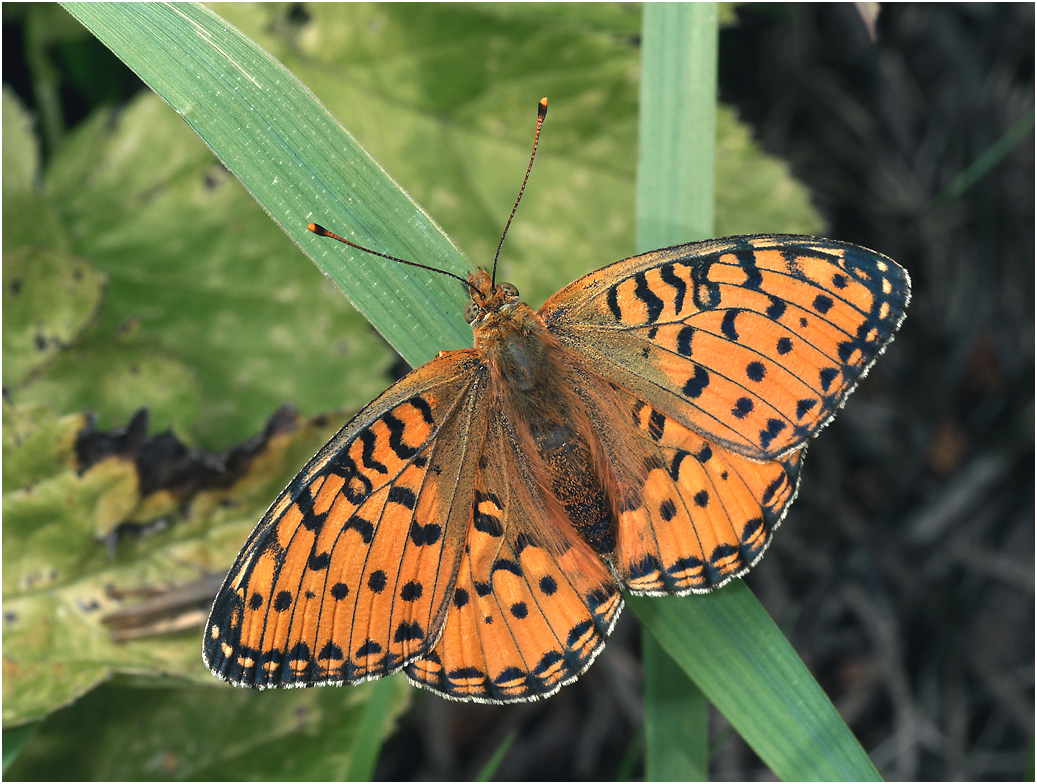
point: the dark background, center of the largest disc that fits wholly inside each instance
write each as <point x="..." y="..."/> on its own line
<point x="905" y="575"/>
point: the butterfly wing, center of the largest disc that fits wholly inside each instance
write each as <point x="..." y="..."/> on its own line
<point x="753" y="342"/>
<point x="348" y="574"/>
<point x="726" y="356"/>
<point x="530" y="611"/>
<point x="703" y="515"/>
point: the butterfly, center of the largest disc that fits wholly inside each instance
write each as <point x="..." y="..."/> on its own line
<point x="475" y="524"/>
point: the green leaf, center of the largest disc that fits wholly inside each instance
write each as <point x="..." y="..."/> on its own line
<point x="21" y="150"/>
<point x="118" y="733"/>
<point x="756" y="192"/>
<point x="49" y="299"/>
<point x="196" y="276"/>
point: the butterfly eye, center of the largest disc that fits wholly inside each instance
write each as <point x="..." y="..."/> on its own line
<point x="508" y="289"/>
<point x="471" y="311"/>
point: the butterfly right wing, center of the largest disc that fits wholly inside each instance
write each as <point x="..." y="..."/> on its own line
<point x="728" y="355"/>
<point x="348" y="575"/>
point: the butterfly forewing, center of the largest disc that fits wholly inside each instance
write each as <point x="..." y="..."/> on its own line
<point x="347" y="576"/>
<point x="754" y="342"/>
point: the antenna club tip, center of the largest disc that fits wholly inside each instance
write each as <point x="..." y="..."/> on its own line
<point x="542" y="107"/>
<point x="316" y="228"/>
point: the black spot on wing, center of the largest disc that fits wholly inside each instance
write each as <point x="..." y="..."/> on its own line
<point x="506" y="565"/>
<point x="742" y="408"/>
<point x="330" y="652"/>
<point x="680" y="287"/>
<point x="652" y="303"/>
<point x="356" y="486"/>
<point x="369" y="648"/>
<point x="377" y="581"/>
<point x="823" y="303"/>
<point x="698" y="382"/>
<point x="684" y="340"/>
<point x="411" y="591"/>
<point x="318" y="562"/>
<point x="368" y="441"/>
<point x="803" y="407"/>
<point x="776" y="309"/>
<point x="826" y="377"/>
<point x="424" y="534"/>
<point x="774" y="428"/>
<point x="403" y="496"/>
<point x="408" y="631"/>
<point x="363" y="527"/>
<point x="727" y="326"/>
<point x="339" y="591"/>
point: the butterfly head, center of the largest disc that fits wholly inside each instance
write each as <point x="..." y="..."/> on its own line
<point x="486" y="296"/>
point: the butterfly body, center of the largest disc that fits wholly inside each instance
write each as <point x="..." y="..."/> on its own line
<point x="644" y="429"/>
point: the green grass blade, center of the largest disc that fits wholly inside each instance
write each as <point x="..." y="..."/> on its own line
<point x="492" y="766"/>
<point x="676" y="727"/>
<point x="15" y="739"/>
<point x="677" y="124"/>
<point x="986" y="161"/>
<point x="367" y="745"/>
<point x="732" y="649"/>
<point x="298" y="162"/>
<point x="677" y="133"/>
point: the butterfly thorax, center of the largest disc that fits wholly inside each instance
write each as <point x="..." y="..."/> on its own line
<point x="549" y="426"/>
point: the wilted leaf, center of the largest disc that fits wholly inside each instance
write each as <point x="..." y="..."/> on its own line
<point x="95" y="521"/>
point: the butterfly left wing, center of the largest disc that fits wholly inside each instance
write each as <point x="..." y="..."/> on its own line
<point x="753" y="342"/>
<point x="346" y="578"/>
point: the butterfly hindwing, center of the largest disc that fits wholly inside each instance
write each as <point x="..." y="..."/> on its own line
<point x="526" y="616"/>
<point x="347" y="576"/>
<point x="754" y="342"/>
<point x="705" y="515"/>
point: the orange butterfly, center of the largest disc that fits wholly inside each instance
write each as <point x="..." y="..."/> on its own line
<point x="644" y="430"/>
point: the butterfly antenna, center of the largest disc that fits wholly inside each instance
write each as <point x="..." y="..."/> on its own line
<point x="320" y="231"/>
<point x="541" y="114"/>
